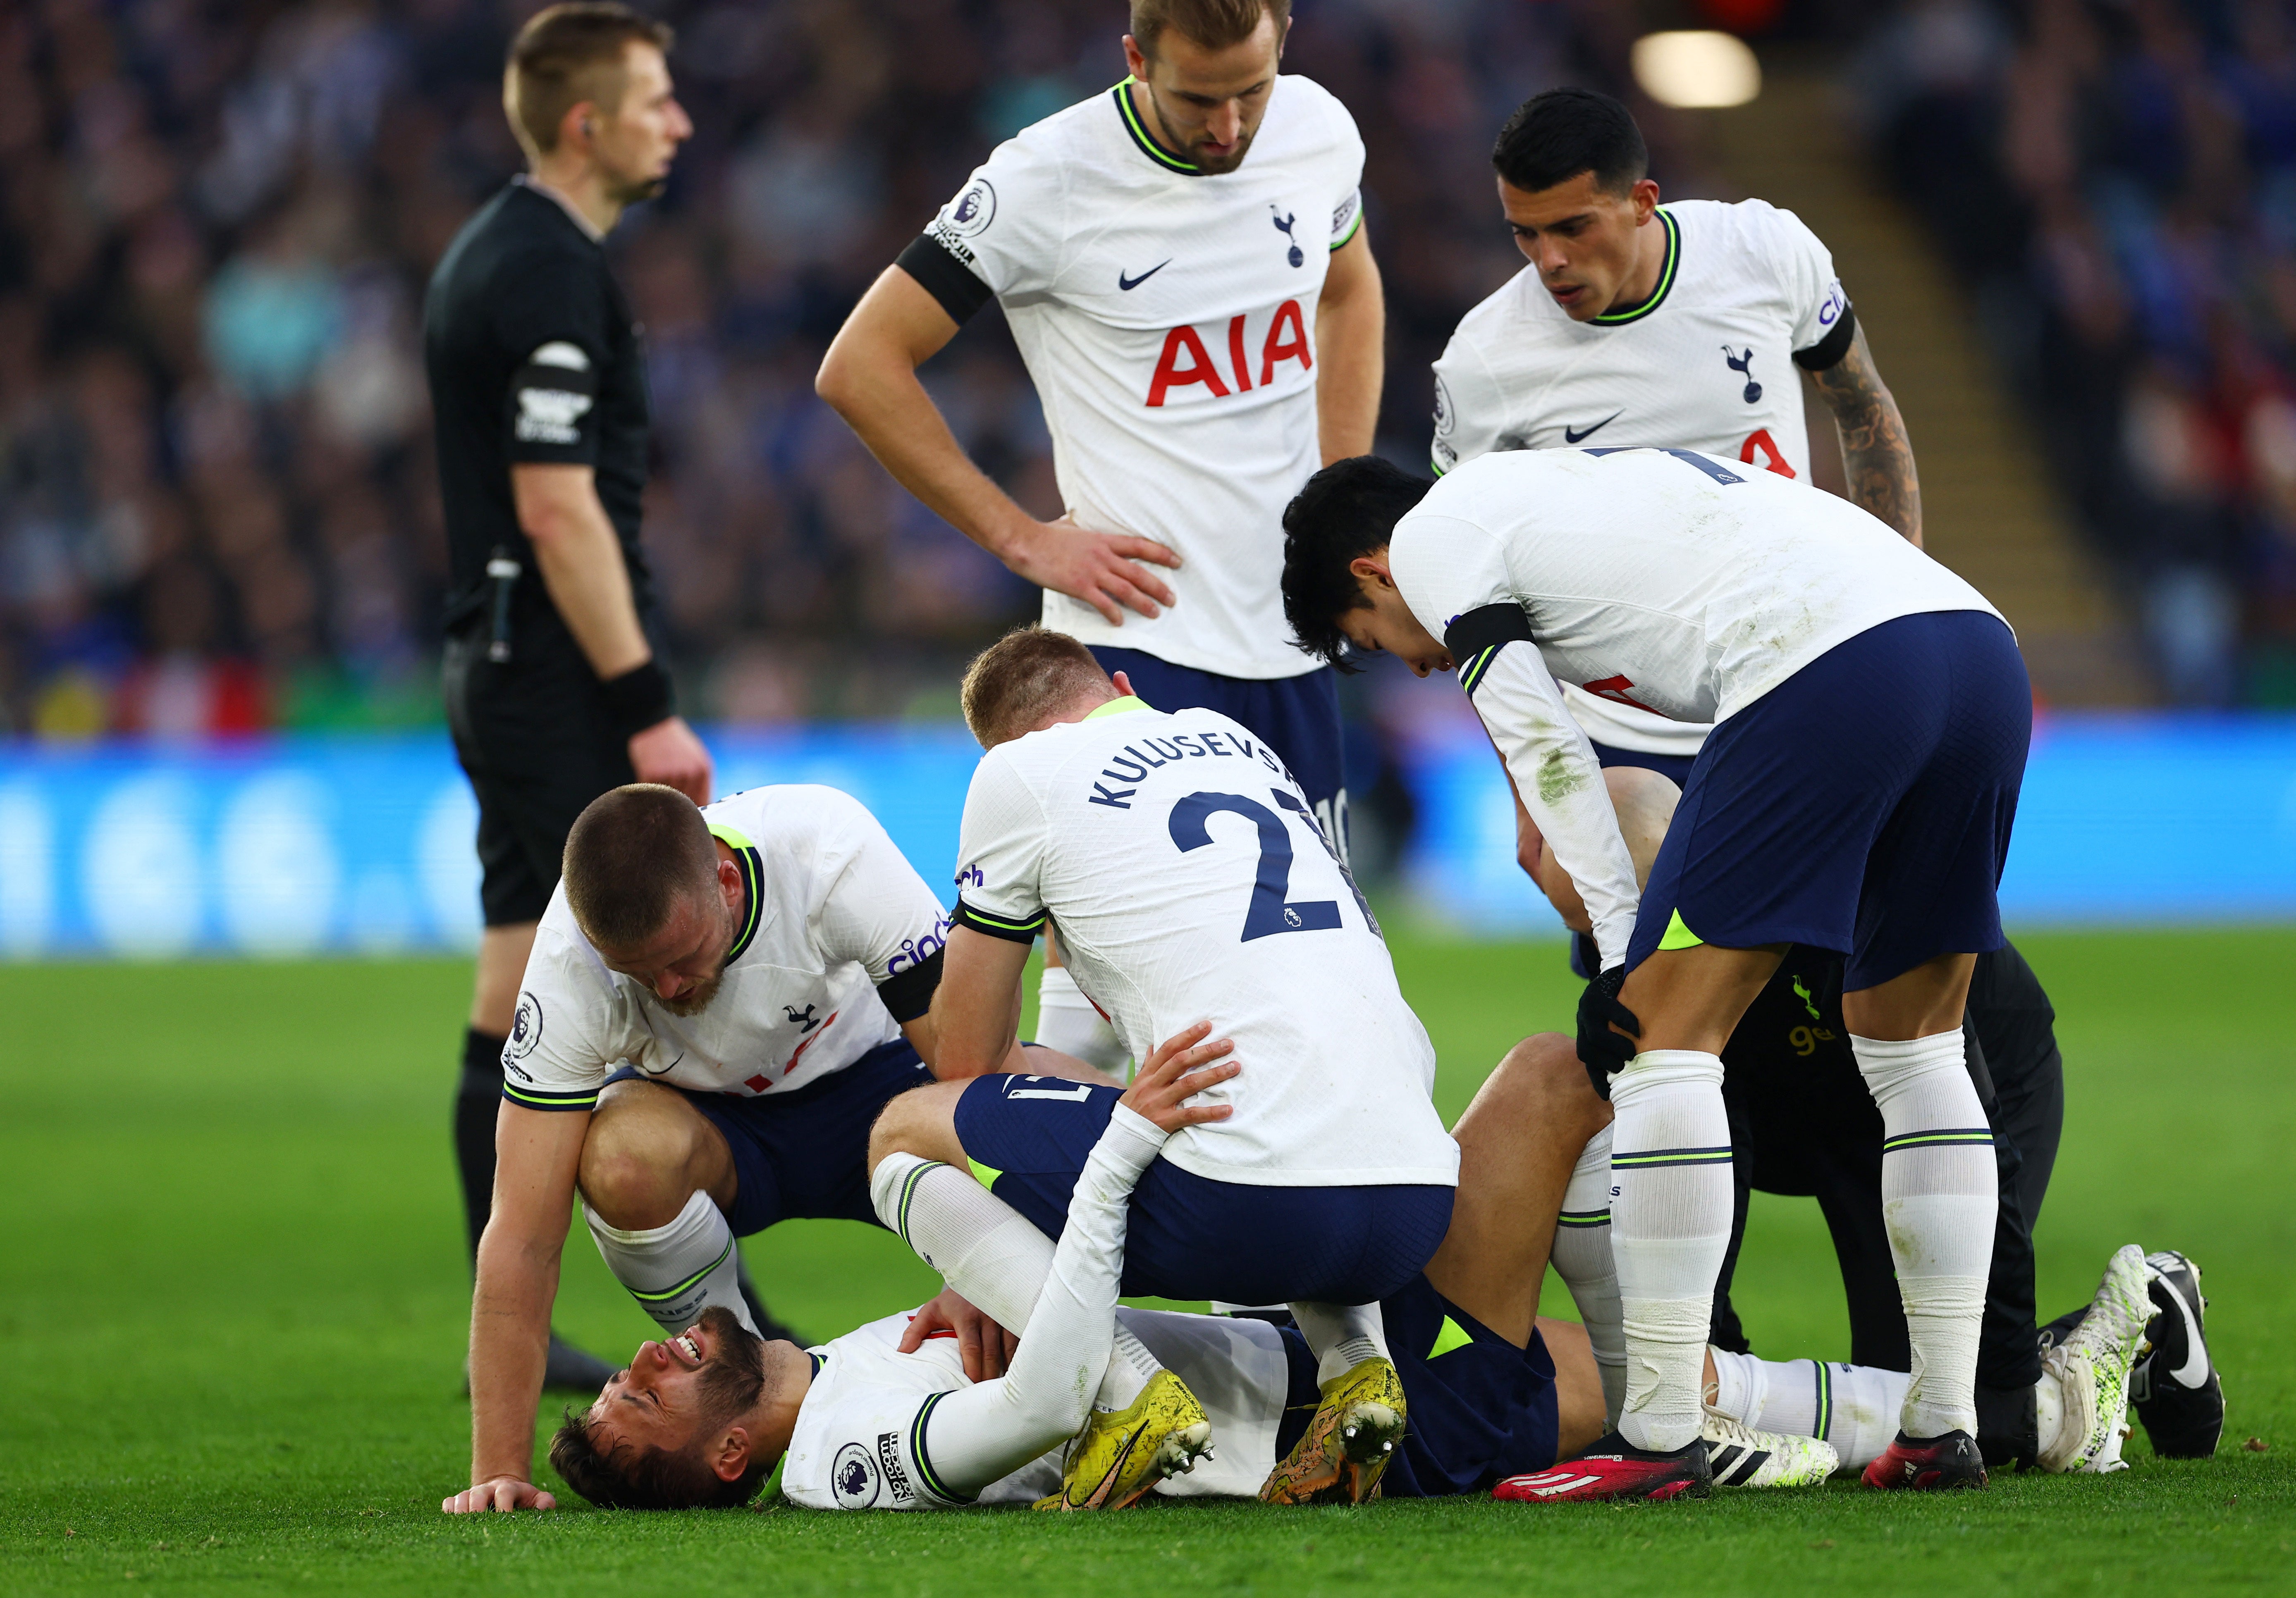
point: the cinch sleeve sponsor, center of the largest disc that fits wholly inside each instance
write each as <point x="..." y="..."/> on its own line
<point x="1823" y="322"/>
<point x="1454" y="577"/>
<point x="879" y="913"/>
<point x="1001" y="854"/>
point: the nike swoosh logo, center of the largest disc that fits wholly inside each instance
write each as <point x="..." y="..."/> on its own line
<point x="2194" y="1372"/>
<point x="1570" y="437"/>
<point x="1129" y="284"/>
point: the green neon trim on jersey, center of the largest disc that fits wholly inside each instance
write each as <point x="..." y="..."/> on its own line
<point x="753" y="882"/>
<point x="1030" y="925"/>
<point x="986" y="1174"/>
<point x="1354" y="228"/>
<point x="1470" y="675"/>
<point x="536" y="1099"/>
<point x="1452" y="1336"/>
<point x="730" y="837"/>
<point x="1679" y="934"/>
<point x="926" y="1475"/>
<point x="1117" y="707"/>
<point x="1666" y="274"/>
<point x="1147" y="141"/>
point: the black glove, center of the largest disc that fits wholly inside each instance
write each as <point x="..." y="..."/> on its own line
<point x="1602" y="1051"/>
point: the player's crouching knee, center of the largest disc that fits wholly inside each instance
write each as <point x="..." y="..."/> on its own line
<point x="1545" y="1074"/>
<point x="634" y="1171"/>
<point x="922" y="1121"/>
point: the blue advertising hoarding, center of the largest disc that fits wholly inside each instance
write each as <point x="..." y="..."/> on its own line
<point x="304" y="845"/>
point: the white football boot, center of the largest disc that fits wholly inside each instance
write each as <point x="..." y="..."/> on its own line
<point x="2091" y="1369"/>
<point x="1741" y="1456"/>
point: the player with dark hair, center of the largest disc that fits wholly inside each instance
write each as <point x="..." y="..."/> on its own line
<point x="1184" y="266"/>
<point x="719" y="1003"/>
<point x="555" y="684"/>
<point x="1857" y="796"/>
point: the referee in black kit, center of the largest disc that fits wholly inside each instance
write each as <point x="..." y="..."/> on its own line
<point x="554" y="684"/>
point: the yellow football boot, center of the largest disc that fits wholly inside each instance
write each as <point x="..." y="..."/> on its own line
<point x="1357" y="1424"/>
<point x="1118" y="1457"/>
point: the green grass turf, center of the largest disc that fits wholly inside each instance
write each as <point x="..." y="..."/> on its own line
<point x="232" y="1300"/>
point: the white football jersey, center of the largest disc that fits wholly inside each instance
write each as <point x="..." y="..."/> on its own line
<point x="861" y="1441"/>
<point x="1706" y="364"/>
<point x="1674" y="582"/>
<point x="835" y="914"/>
<point x="1167" y="318"/>
<point x="1188" y="881"/>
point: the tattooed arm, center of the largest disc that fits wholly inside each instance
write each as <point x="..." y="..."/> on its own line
<point x="1875" y="452"/>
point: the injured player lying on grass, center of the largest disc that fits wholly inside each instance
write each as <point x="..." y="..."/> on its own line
<point x="1494" y="1394"/>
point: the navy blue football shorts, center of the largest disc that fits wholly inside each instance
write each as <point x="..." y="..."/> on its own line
<point x="1297" y="718"/>
<point x="1864" y="804"/>
<point x="1481" y="1409"/>
<point x="805" y="1155"/>
<point x="1190" y="1237"/>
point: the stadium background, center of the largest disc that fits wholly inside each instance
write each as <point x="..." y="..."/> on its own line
<point x="2070" y="229"/>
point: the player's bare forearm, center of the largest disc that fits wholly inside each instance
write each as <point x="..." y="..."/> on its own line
<point x="976" y="1010"/>
<point x="869" y="377"/>
<point x="1877" y="457"/>
<point x="581" y="562"/>
<point x="1351" y="351"/>
<point x="509" y="1345"/>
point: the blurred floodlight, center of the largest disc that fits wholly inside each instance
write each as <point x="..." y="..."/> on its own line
<point x="1696" y="70"/>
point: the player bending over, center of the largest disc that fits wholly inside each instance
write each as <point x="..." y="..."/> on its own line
<point x="1179" y="859"/>
<point x="1857" y="796"/>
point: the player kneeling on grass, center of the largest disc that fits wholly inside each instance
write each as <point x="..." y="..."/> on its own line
<point x="1856" y="795"/>
<point x="719" y="1003"/>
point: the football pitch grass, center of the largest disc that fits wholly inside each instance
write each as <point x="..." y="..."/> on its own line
<point x="233" y="1295"/>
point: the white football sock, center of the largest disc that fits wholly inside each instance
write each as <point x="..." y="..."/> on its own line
<point x="1582" y="1258"/>
<point x="1670" y="1211"/>
<point x="1341" y="1336"/>
<point x="675" y="1271"/>
<point x="1066" y="1021"/>
<point x="1854" y="1407"/>
<point x="1939" y="1191"/>
<point x="991" y="1253"/>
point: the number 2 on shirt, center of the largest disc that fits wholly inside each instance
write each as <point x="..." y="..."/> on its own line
<point x="1270" y="911"/>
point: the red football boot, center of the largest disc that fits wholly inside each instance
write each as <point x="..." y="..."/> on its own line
<point x="1614" y="1467"/>
<point x="1929" y="1465"/>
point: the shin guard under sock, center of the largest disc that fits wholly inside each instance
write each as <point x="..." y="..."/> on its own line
<point x="991" y="1253"/>
<point x="675" y="1271"/>
<point x="1940" y="1194"/>
<point x="1582" y="1258"/>
<point x="477" y="1100"/>
<point x="1670" y="1211"/>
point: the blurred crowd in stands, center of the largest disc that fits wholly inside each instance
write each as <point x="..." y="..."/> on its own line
<point x="2116" y="182"/>
<point x="218" y="510"/>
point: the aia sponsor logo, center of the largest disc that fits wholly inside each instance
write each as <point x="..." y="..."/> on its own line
<point x="1187" y="360"/>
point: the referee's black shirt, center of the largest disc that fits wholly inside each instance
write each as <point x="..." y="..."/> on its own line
<point x="532" y="357"/>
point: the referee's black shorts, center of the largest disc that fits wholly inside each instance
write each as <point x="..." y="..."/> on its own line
<point x="533" y="735"/>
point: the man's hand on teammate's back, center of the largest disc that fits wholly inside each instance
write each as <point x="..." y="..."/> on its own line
<point x="668" y="752"/>
<point x="1170" y="1078"/>
<point x="504" y="1493"/>
<point x="988" y="1347"/>
<point x="1102" y="570"/>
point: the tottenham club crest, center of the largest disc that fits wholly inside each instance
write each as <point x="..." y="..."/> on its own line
<point x="525" y="1028"/>
<point x="974" y="209"/>
<point x="854" y="1478"/>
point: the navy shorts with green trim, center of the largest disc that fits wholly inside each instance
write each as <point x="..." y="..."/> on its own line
<point x="805" y="1155"/>
<point x="1190" y="1237"/>
<point x="1864" y="804"/>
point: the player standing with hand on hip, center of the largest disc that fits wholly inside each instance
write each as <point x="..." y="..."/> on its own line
<point x="555" y="690"/>
<point x="1184" y="269"/>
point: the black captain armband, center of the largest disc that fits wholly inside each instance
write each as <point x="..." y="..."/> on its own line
<point x="944" y="277"/>
<point x="637" y="698"/>
<point x="909" y="992"/>
<point x="1828" y="351"/>
<point x="1476" y="638"/>
<point x="999" y="926"/>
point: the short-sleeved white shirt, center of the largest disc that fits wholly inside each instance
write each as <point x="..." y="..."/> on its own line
<point x="1706" y="364"/>
<point x="1189" y="882"/>
<point x="833" y="913"/>
<point x="1167" y="318"/>
<point x="862" y="1439"/>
